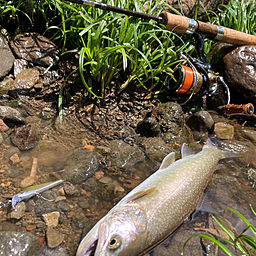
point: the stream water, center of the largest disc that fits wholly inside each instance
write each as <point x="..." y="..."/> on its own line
<point x="107" y="175"/>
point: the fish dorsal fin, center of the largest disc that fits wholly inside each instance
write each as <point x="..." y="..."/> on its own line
<point x="168" y="160"/>
<point x="141" y="193"/>
<point x="186" y="150"/>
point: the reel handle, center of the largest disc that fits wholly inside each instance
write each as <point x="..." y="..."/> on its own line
<point x="244" y="109"/>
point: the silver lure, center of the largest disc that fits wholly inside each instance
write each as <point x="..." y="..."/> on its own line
<point x="32" y="191"/>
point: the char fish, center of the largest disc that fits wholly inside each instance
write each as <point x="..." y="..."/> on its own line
<point x="155" y="208"/>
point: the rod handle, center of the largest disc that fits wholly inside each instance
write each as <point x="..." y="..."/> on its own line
<point x="181" y="24"/>
<point x="244" y="109"/>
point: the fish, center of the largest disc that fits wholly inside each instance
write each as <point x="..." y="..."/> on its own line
<point x="155" y="208"/>
<point x="31" y="191"/>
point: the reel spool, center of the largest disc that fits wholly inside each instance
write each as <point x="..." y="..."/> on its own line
<point x="189" y="80"/>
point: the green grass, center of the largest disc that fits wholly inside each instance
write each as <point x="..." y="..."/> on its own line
<point x="238" y="15"/>
<point x="238" y="243"/>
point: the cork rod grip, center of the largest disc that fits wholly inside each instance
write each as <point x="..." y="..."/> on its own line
<point x="180" y="24"/>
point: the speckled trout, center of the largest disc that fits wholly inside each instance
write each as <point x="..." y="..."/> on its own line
<point x="155" y="208"/>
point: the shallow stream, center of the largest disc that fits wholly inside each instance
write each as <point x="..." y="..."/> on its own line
<point x="98" y="174"/>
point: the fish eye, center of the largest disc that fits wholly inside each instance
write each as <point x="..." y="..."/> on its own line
<point x="114" y="243"/>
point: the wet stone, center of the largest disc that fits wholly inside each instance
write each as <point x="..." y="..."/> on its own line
<point x="42" y="206"/>
<point x="64" y="206"/>
<point x="149" y="126"/>
<point x="171" y="121"/>
<point x="105" y="180"/>
<point x="5" y="85"/>
<point x="23" y="82"/>
<point x="19" y="211"/>
<point x="35" y="48"/>
<point x="7" y="57"/>
<point x="80" y="165"/>
<point x="224" y="131"/>
<point x="125" y="155"/>
<point x="3" y="126"/>
<point x="201" y="123"/>
<point x="6" y="111"/>
<point x="1" y="139"/>
<point x="15" y="159"/>
<point x="240" y="68"/>
<point x="25" y="243"/>
<point x="46" y="251"/>
<point x="25" y="137"/>
<point x="155" y="148"/>
<point x="70" y="189"/>
<point x="28" y="181"/>
<point x="54" y="237"/>
<point x="19" y="65"/>
<point x="14" y="121"/>
<point x="51" y="219"/>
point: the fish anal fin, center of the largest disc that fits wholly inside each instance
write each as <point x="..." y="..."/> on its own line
<point x="168" y="160"/>
<point x="206" y="206"/>
<point x="141" y="193"/>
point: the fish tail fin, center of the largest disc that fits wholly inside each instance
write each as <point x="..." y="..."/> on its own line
<point x="228" y="149"/>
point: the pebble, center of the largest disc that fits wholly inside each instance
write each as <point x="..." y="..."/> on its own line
<point x="89" y="147"/>
<point x="98" y="175"/>
<point x="61" y="191"/>
<point x="25" y="164"/>
<point x="60" y="198"/>
<point x="1" y="138"/>
<point x="15" y="159"/>
<point x="51" y="219"/>
<point x="105" y="180"/>
<point x="224" y="131"/>
<point x="54" y="238"/>
<point x="28" y="181"/>
<point x="19" y="211"/>
<point x="3" y="126"/>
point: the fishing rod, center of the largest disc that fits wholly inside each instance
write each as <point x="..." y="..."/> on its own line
<point x="181" y="24"/>
<point x="193" y="78"/>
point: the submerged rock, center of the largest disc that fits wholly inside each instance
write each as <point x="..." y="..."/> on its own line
<point x="5" y="85"/>
<point x="18" y="243"/>
<point x="80" y="165"/>
<point x="25" y="137"/>
<point x="124" y="155"/>
<point x="54" y="237"/>
<point x="35" y="48"/>
<point x="7" y="57"/>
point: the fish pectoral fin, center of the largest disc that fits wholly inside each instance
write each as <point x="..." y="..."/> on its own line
<point x="141" y="193"/>
<point x="168" y="160"/>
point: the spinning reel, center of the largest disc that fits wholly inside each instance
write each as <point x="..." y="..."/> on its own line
<point x="193" y="78"/>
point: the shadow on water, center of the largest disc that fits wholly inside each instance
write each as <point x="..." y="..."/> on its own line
<point x="89" y="193"/>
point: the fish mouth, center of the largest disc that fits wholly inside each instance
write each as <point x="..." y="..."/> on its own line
<point x="89" y="249"/>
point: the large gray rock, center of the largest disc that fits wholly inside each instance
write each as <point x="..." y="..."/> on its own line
<point x="35" y="48"/>
<point x="238" y="67"/>
<point x="6" y="57"/>
<point x="18" y="243"/>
